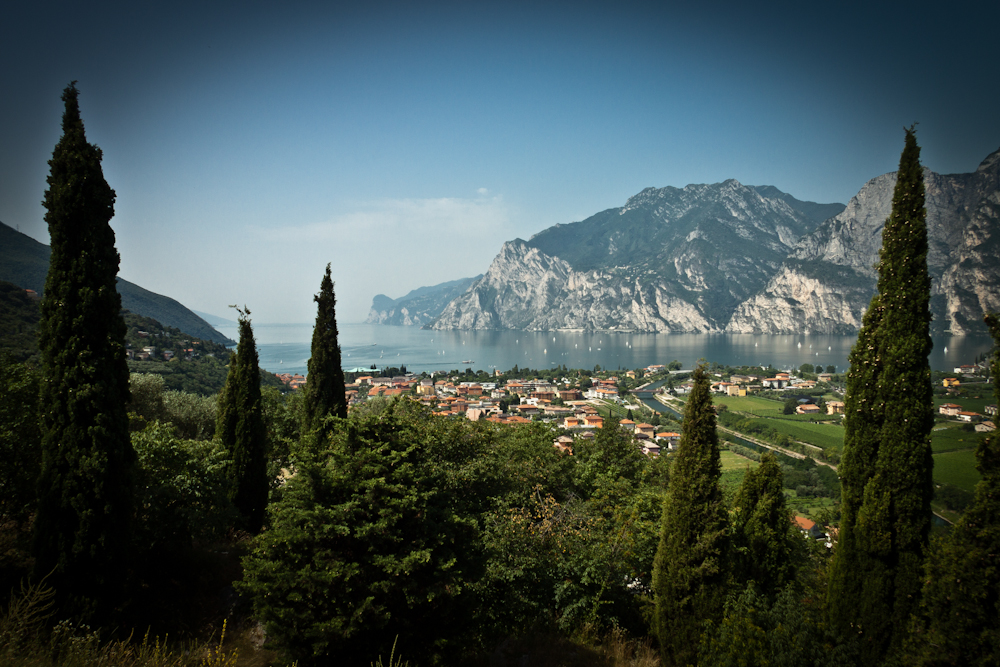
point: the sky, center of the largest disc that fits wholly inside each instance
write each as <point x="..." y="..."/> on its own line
<point x="403" y="143"/>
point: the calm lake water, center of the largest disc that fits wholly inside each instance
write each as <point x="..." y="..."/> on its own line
<point x="284" y="348"/>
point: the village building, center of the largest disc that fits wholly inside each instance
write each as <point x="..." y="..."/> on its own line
<point x="672" y="439"/>
<point x="809" y="527"/>
<point x="564" y="444"/>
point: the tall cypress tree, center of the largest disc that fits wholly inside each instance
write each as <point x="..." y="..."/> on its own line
<point x="241" y="429"/>
<point x="689" y="573"/>
<point x="961" y="598"/>
<point x="324" y="394"/>
<point x="887" y="465"/>
<point x="82" y="527"/>
<point x="766" y="547"/>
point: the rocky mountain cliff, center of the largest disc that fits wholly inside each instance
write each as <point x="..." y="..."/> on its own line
<point x="671" y="259"/>
<point x="829" y="278"/>
<point x="419" y="307"/>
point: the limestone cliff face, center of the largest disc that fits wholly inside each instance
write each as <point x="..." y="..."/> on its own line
<point x="829" y="278"/>
<point x="526" y="289"/>
<point x="670" y="259"/>
<point x="417" y="308"/>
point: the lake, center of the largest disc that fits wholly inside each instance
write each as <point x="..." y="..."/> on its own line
<point x="284" y="348"/>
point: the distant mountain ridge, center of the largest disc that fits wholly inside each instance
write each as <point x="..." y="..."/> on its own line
<point x="827" y="281"/>
<point x="670" y="259"/>
<point x="418" y="307"/>
<point x="25" y="262"/>
<point x="731" y="258"/>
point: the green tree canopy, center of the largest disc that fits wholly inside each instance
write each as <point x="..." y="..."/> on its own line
<point x="689" y="573"/>
<point x="766" y="547"/>
<point x="83" y="524"/>
<point x="324" y="391"/>
<point x="961" y="599"/>
<point x="378" y="539"/>
<point x="886" y="467"/>
<point x="241" y="429"/>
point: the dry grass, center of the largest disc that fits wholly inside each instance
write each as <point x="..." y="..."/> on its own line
<point x="552" y="650"/>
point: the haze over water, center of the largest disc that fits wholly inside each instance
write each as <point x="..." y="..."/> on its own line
<point x="285" y="348"/>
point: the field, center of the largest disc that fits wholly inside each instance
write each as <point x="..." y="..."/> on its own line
<point x="957" y="469"/>
<point x="809" y="507"/>
<point x="952" y="438"/>
<point x="734" y="468"/>
<point x="763" y="407"/>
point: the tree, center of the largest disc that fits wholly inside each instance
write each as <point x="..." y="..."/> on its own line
<point x="831" y="369"/>
<point x="20" y="454"/>
<point x="377" y="539"/>
<point x="83" y="525"/>
<point x="324" y="392"/>
<point x="886" y="469"/>
<point x="689" y="573"/>
<point x="766" y="548"/>
<point x="961" y="599"/>
<point x="241" y="429"/>
<point x="789" y="407"/>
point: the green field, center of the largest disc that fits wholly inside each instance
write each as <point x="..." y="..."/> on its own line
<point x="956" y="468"/>
<point x="731" y="461"/>
<point x="824" y="436"/>
<point x="951" y="438"/>
<point x="752" y="404"/>
<point x="814" y="508"/>
<point x="734" y="469"/>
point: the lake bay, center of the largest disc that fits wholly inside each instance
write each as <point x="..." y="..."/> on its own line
<point x="285" y="348"/>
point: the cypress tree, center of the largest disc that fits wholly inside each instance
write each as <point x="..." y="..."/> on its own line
<point x="325" y="391"/>
<point x="886" y="469"/>
<point x="241" y="429"/>
<point x="766" y="547"/>
<point x="82" y="528"/>
<point x="689" y="574"/>
<point x="961" y="600"/>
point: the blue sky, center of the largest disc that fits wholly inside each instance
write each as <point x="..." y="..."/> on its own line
<point x="250" y="144"/>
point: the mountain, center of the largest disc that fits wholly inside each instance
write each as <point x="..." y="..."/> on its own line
<point x="419" y="307"/>
<point x="670" y="259"/>
<point x="829" y="277"/>
<point x="25" y="262"/>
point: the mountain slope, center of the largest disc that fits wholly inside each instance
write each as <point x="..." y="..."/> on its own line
<point x="829" y="277"/>
<point x="25" y="262"/>
<point x="419" y="307"/>
<point x="670" y="259"/>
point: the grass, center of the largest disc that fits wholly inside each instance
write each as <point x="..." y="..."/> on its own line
<point x="814" y="508"/>
<point x="957" y="468"/>
<point x="950" y="437"/>
<point x="752" y="404"/>
<point x="734" y="469"/>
